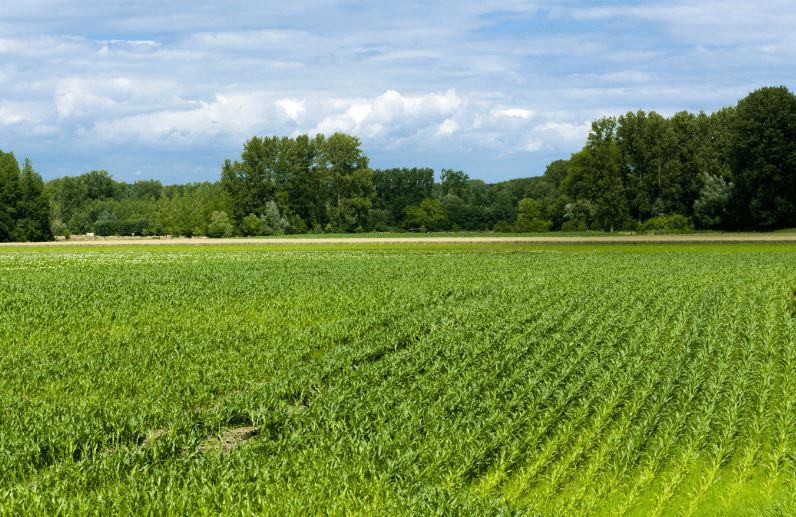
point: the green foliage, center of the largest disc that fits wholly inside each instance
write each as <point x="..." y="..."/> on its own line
<point x="220" y="225"/>
<point x="453" y="182"/>
<point x="529" y="217"/>
<point x="273" y="222"/>
<point x="324" y="180"/>
<point x="675" y="223"/>
<point x="24" y="206"/>
<point x="133" y="226"/>
<point x="763" y="159"/>
<point x="380" y="220"/>
<point x="503" y="227"/>
<point x="429" y="215"/>
<point x="398" y="188"/>
<point x="252" y="226"/>
<point x="711" y="209"/>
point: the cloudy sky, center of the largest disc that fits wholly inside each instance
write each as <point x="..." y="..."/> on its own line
<point x="498" y="88"/>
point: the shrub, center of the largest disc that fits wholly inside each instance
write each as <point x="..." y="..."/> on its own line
<point x="573" y="226"/>
<point x="502" y="227"/>
<point x="430" y="214"/>
<point x="529" y="217"/>
<point x="674" y="223"/>
<point x="379" y="219"/>
<point x="274" y="223"/>
<point x="220" y="225"/>
<point x="252" y="226"/>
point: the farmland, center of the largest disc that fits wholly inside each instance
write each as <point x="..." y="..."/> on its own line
<point x="399" y="379"/>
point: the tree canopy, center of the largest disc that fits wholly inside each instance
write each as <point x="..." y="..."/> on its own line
<point x="24" y="206"/>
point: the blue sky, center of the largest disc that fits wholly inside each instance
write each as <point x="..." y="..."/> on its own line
<point x="498" y="88"/>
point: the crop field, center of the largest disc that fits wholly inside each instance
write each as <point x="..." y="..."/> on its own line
<point x="404" y="379"/>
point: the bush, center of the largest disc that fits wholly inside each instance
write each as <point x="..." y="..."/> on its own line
<point x="573" y="226"/>
<point x="379" y="220"/>
<point x="220" y="225"/>
<point x="274" y="223"/>
<point x="252" y="226"/>
<point x="430" y="214"/>
<point x="674" y="223"/>
<point x="296" y="224"/>
<point x="534" y="225"/>
<point x="529" y="217"/>
<point x="132" y="226"/>
<point x="502" y="227"/>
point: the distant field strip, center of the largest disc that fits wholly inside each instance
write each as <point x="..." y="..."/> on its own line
<point x="399" y="381"/>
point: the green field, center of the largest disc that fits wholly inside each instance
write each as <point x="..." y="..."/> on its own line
<point x="397" y="379"/>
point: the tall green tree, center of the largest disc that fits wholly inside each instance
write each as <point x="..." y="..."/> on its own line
<point x="350" y="181"/>
<point x="646" y="143"/>
<point x="595" y="173"/>
<point x="530" y="218"/>
<point x="251" y="182"/>
<point x="9" y="194"/>
<point x="24" y="206"/>
<point x="454" y="182"/>
<point x="33" y="207"/>
<point x="763" y="159"/>
<point x="398" y="188"/>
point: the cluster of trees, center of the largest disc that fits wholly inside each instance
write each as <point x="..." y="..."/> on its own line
<point x="321" y="183"/>
<point x="732" y="169"/>
<point x="24" y="206"/>
<point x="94" y="202"/>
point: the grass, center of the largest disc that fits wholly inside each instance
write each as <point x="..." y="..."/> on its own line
<point x="399" y="379"/>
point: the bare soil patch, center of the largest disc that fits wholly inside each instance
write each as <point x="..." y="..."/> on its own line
<point x="229" y="439"/>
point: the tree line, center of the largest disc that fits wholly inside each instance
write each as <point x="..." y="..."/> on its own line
<point x="24" y="206"/>
<point x="734" y="169"/>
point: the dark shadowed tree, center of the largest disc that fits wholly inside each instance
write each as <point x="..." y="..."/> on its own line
<point x="9" y="193"/>
<point x="763" y="159"/>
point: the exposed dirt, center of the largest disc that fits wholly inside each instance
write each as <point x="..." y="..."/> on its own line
<point x="152" y="436"/>
<point x="229" y="439"/>
<point x="320" y="241"/>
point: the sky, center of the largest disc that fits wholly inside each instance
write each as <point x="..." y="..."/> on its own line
<point x="497" y="88"/>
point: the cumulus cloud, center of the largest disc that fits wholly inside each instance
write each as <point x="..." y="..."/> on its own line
<point x="293" y="108"/>
<point x="520" y="113"/>
<point x="391" y="114"/>
<point x="105" y="97"/>
<point x="9" y="116"/>
<point x="448" y="127"/>
<point x="232" y="116"/>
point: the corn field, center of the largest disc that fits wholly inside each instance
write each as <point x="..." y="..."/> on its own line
<point x="415" y="380"/>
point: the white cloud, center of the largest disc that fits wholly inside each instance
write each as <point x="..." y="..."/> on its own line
<point x="29" y="114"/>
<point x="520" y="113"/>
<point x="293" y="108"/>
<point x="128" y="46"/>
<point x="100" y="97"/>
<point x="9" y="116"/>
<point x="232" y="116"/>
<point x="391" y="115"/>
<point x="448" y="127"/>
<point x="711" y="22"/>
